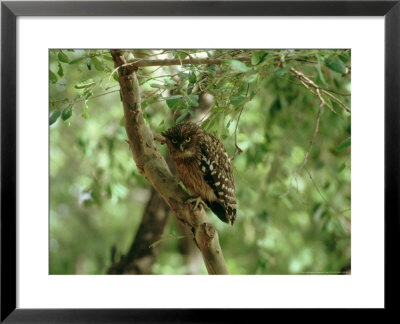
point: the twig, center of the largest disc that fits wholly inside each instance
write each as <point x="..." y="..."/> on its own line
<point x="309" y="83"/>
<point x="82" y="99"/>
<point x="336" y="92"/>
<point x="315" y="185"/>
<point x="238" y="149"/>
<point x="316" y="128"/>
<point x="337" y="100"/>
<point x="159" y="138"/>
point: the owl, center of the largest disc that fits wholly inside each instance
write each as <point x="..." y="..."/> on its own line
<point x="204" y="167"/>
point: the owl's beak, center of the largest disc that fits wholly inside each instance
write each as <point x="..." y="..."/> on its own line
<point x="181" y="147"/>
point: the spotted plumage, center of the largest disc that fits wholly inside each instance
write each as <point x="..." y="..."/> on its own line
<point x="204" y="167"/>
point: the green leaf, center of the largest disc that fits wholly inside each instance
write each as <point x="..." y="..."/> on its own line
<point x="172" y="97"/>
<point x="115" y="76"/>
<point x="67" y="112"/>
<point x="192" y="77"/>
<point x="238" y="66"/>
<point x="177" y="103"/>
<point x="62" y="57"/>
<point x="99" y="65"/>
<point x="258" y="57"/>
<point x="54" y="116"/>
<point x="341" y="167"/>
<point x="238" y="100"/>
<point x="85" y="84"/>
<point x="170" y="81"/>
<point x="85" y="113"/>
<point x="157" y="85"/>
<point x="343" y="145"/>
<point x="181" y="117"/>
<point x="183" y="75"/>
<point x="335" y="64"/>
<point x="191" y="112"/>
<point x="344" y="58"/>
<point x="89" y="63"/>
<point x="53" y="77"/>
<point x="182" y="55"/>
<point x="77" y="60"/>
<point x="318" y="66"/>
<point x="168" y="84"/>
<point x="250" y="78"/>
<point x="193" y="100"/>
<point x="60" y="71"/>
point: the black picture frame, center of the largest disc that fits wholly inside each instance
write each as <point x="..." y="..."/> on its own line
<point x="9" y="13"/>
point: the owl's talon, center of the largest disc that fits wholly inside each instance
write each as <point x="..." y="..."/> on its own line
<point x="197" y="201"/>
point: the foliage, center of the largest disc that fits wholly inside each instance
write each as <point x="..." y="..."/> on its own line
<point x="293" y="196"/>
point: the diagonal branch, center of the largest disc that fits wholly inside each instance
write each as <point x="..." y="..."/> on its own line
<point x="318" y="90"/>
<point x="316" y="128"/>
<point x="153" y="166"/>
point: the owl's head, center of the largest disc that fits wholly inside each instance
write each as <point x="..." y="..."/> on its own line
<point x="182" y="140"/>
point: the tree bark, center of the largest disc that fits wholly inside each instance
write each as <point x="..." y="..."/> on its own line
<point x="151" y="163"/>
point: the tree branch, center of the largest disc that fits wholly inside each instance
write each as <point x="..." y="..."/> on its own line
<point x="318" y="90"/>
<point x="151" y="163"/>
<point x="194" y="61"/>
<point x="159" y="138"/>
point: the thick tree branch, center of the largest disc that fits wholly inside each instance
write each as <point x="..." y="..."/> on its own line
<point x="151" y="163"/>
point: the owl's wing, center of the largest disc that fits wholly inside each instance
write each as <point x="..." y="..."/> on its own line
<point x="218" y="173"/>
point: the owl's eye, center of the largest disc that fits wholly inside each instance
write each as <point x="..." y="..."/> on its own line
<point x="188" y="139"/>
<point x="174" y="141"/>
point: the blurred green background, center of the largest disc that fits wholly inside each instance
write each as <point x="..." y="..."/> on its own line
<point x="291" y="219"/>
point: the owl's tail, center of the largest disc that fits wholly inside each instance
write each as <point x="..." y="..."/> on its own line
<point x="219" y="210"/>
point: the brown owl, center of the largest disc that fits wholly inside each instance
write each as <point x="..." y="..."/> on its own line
<point x="204" y="167"/>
